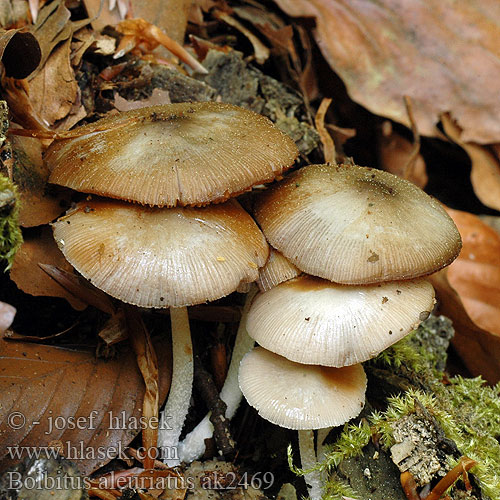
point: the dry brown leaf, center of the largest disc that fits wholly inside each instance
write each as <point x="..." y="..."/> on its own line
<point x="40" y="203"/>
<point x="485" y="172"/>
<point x="54" y="90"/>
<point x="281" y="37"/>
<point x="16" y="93"/>
<point x="394" y="153"/>
<point x="443" y="54"/>
<point x="101" y="15"/>
<point x="261" y="52"/>
<point x="27" y="275"/>
<point x="40" y="384"/>
<point x="13" y="13"/>
<point x="80" y="288"/>
<point x="326" y="138"/>
<point x="148" y="366"/>
<point x="475" y="275"/>
<point x="307" y="73"/>
<point x="492" y="221"/>
<point x="20" y="53"/>
<point x="114" y="330"/>
<point x="478" y="348"/>
<point x="469" y="293"/>
<point x="53" y="25"/>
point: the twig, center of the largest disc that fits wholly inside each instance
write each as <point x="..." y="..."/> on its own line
<point x="222" y="435"/>
<point x="409" y="486"/>
<point x="464" y="464"/>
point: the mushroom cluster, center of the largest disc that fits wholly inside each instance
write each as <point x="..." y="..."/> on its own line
<point x="173" y="247"/>
<point x="365" y="238"/>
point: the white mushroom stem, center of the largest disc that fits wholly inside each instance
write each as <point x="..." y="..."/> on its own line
<point x="308" y="461"/>
<point x="193" y="445"/>
<point x="176" y="408"/>
<point x="321" y="435"/>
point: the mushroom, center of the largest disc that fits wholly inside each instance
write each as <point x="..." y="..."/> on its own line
<point x="364" y="231"/>
<point x="156" y="257"/>
<point x="314" y="321"/>
<point x="357" y="225"/>
<point x="176" y="154"/>
<point x="302" y="397"/>
<point x="277" y="270"/>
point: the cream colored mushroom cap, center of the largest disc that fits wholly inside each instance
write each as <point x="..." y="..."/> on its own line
<point x="161" y="257"/>
<point x="314" y="321"/>
<point x="276" y="270"/>
<point x="298" y="396"/>
<point x="177" y="154"/>
<point x="356" y="225"/>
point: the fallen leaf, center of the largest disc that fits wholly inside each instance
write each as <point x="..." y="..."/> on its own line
<point x="148" y="366"/>
<point x="27" y="275"/>
<point x="80" y="288"/>
<point x="13" y="14"/>
<point x="40" y="203"/>
<point x="7" y="313"/>
<point x="16" y="93"/>
<point x="469" y="293"/>
<point x="101" y="14"/>
<point x="261" y="52"/>
<point x="114" y="330"/>
<point x="475" y="274"/>
<point x="92" y="406"/>
<point x="395" y="151"/>
<point x="485" y="171"/>
<point x="326" y="139"/>
<point x="20" y="53"/>
<point x="492" y="221"/>
<point x="443" y="54"/>
<point x="53" y="90"/>
<point x="53" y="25"/>
<point x="478" y="348"/>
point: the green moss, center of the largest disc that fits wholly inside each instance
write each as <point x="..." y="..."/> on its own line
<point x="472" y="419"/>
<point x="10" y="233"/>
<point x="337" y="489"/>
<point x="402" y="353"/>
<point x="350" y="443"/>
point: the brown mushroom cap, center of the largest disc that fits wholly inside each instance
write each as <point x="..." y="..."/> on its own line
<point x="159" y="257"/>
<point x="277" y="270"/>
<point x="357" y="225"/>
<point x="314" y="321"/>
<point x="298" y="396"/>
<point x="177" y="154"/>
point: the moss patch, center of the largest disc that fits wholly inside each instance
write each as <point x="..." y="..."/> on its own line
<point x="10" y="233"/>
